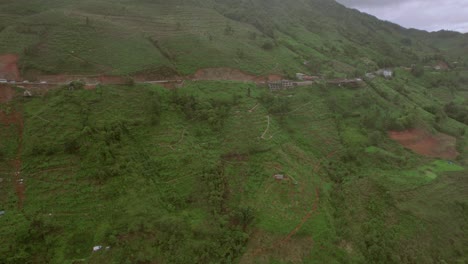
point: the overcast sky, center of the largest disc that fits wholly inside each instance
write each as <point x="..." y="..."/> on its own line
<point x="431" y="15"/>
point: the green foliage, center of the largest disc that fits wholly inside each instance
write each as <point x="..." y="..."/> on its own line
<point x="417" y="70"/>
<point x="268" y="45"/>
<point x="212" y="111"/>
<point x="185" y="176"/>
<point x="276" y="104"/>
<point x="406" y="41"/>
<point x="457" y="112"/>
<point x="76" y="85"/>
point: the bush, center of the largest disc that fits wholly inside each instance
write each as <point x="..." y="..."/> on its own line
<point x="268" y="45"/>
<point x="417" y="71"/>
<point x="71" y="146"/>
<point x="275" y="104"/>
<point x="76" y="85"/>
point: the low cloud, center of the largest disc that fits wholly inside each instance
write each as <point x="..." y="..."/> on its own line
<point x="430" y="15"/>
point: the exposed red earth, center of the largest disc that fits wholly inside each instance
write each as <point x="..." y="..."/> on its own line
<point x="436" y="145"/>
<point x="6" y="93"/>
<point x="9" y="71"/>
<point x="9" y="67"/>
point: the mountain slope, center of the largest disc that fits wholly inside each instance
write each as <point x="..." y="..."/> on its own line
<point x="128" y="37"/>
<point x="228" y="171"/>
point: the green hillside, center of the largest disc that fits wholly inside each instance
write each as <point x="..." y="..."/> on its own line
<point x="229" y="171"/>
<point x="130" y="37"/>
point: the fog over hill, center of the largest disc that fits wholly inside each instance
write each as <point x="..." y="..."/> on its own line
<point x="431" y="15"/>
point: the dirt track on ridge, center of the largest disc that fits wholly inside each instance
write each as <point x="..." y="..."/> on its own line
<point x="223" y="74"/>
<point x="9" y="70"/>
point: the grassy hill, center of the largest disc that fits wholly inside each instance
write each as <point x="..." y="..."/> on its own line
<point x="130" y="37"/>
<point x="227" y="171"/>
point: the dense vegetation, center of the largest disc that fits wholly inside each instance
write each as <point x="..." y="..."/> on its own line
<point x="226" y="171"/>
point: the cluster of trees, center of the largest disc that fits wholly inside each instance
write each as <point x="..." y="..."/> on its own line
<point x="376" y="239"/>
<point x="250" y="13"/>
<point x="103" y="155"/>
<point x="378" y="119"/>
<point x="275" y="104"/>
<point x="458" y="112"/>
<point x="417" y="71"/>
<point x="166" y="236"/>
<point x="215" y="189"/>
<point x="177" y="240"/>
<point x="214" y="110"/>
<point x="31" y="241"/>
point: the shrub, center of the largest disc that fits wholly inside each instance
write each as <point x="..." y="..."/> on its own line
<point x="71" y="146"/>
<point x="268" y="45"/>
<point x="417" y="71"/>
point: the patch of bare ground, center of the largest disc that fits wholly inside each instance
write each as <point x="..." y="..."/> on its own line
<point x="6" y="93"/>
<point x="9" y="67"/>
<point x="436" y="145"/>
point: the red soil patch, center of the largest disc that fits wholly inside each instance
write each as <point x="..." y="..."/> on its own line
<point x="9" y="67"/>
<point x="6" y="93"/>
<point x="431" y="145"/>
<point x="230" y="75"/>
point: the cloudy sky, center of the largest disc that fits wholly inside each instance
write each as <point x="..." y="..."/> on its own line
<point x="431" y="15"/>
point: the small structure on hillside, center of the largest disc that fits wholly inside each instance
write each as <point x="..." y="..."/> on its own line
<point x="280" y="85"/>
<point x="279" y="177"/>
<point x="179" y="84"/>
<point x="27" y="94"/>
<point x="2" y="213"/>
<point x="97" y="248"/>
<point x="387" y="73"/>
<point x="441" y="66"/>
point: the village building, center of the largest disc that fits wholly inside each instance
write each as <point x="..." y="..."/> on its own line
<point x="387" y="73"/>
<point x="279" y="177"/>
<point x="280" y="85"/>
<point x="27" y="94"/>
<point x="441" y="66"/>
